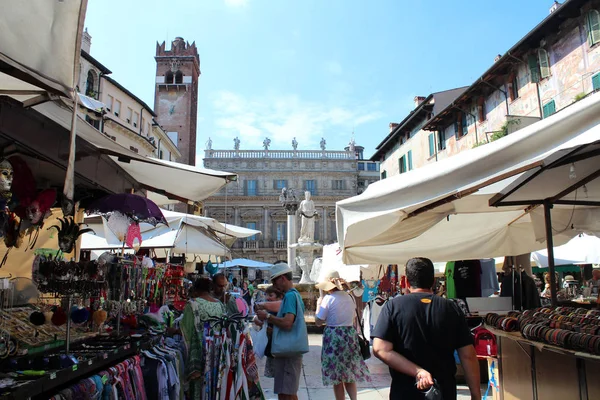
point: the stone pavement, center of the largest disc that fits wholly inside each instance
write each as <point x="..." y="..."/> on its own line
<point x="311" y="384"/>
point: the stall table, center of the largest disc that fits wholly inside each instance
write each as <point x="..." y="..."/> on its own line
<point x="534" y="370"/>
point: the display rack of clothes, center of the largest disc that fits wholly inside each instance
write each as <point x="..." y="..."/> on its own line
<point x="230" y="370"/>
<point x="521" y="287"/>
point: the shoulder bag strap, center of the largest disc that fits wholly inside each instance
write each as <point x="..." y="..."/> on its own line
<point x="359" y="319"/>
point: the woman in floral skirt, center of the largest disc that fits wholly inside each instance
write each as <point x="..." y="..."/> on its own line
<point x="342" y="364"/>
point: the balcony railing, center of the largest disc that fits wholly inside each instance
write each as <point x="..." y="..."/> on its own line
<point x="251" y="245"/>
<point x="281" y="154"/>
<point x="280" y="244"/>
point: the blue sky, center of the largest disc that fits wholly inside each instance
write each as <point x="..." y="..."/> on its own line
<point x="309" y="68"/>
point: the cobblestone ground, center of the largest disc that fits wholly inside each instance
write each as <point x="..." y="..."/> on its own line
<point x="311" y="384"/>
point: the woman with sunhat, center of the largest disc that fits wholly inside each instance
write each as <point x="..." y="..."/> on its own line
<point x="342" y="364"/>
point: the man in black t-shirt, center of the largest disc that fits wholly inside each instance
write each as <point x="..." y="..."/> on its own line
<point x="416" y="336"/>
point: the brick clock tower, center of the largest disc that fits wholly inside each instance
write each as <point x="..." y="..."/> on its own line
<point x="176" y="94"/>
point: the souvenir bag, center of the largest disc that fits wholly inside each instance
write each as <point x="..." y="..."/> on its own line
<point x="485" y="343"/>
<point x="294" y="342"/>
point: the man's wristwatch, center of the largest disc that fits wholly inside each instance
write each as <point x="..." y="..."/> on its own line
<point x="268" y="316"/>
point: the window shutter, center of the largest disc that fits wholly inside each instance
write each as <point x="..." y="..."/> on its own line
<point x="275" y="184"/>
<point x="410" y="164"/>
<point x="431" y="145"/>
<point x="549" y="108"/>
<point x="593" y="22"/>
<point x="596" y="82"/>
<point x="544" y="63"/>
<point x="456" y="129"/>
<point x="534" y="71"/>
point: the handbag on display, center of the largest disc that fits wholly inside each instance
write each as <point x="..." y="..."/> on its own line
<point x="294" y="342"/>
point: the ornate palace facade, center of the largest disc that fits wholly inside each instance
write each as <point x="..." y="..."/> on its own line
<point x="253" y="201"/>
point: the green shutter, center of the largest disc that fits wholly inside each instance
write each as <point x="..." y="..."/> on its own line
<point x="456" y="129"/>
<point x="596" y="82"/>
<point x="431" y="145"/>
<point x="410" y="164"/>
<point x="593" y="25"/>
<point x="549" y="108"/>
<point x="383" y="175"/>
<point x="534" y="71"/>
<point x="544" y="63"/>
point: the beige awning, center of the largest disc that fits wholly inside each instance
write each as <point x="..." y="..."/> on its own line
<point x="182" y="182"/>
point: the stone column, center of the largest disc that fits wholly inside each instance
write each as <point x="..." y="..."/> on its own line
<point x="291" y="239"/>
<point x="325" y="223"/>
<point x="266" y="227"/>
<point x="236" y="216"/>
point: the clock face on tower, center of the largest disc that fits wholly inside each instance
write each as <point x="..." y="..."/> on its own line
<point x="172" y="110"/>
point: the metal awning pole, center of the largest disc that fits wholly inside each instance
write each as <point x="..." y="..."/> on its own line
<point x="550" y="247"/>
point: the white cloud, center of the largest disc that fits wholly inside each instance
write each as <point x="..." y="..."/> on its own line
<point x="333" y="67"/>
<point x="283" y="117"/>
<point x="236" y="3"/>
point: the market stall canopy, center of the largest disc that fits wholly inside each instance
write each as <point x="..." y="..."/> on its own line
<point x="332" y="261"/>
<point x="181" y="238"/>
<point x="185" y="183"/>
<point x="244" y="262"/>
<point x="582" y="249"/>
<point x="442" y="210"/>
<point x="40" y="45"/>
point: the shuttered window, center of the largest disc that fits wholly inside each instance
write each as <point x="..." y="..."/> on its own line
<point x="279" y="184"/>
<point x="431" y="145"/>
<point x="337" y="184"/>
<point x="544" y="63"/>
<point x="402" y="164"/>
<point x="383" y="174"/>
<point x="593" y="25"/>
<point x="410" y="164"/>
<point x="441" y="140"/>
<point x="464" y="125"/>
<point x="251" y="225"/>
<point x="251" y="188"/>
<point x="549" y="108"/>
<point x="596" y="82"/>
<point x="311" y="186"/>
<point x="534" y="68"/>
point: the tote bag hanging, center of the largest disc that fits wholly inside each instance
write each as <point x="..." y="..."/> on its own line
<point x="294" y="342"/>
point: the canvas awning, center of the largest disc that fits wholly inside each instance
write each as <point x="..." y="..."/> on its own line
<point x="186" y="233"/>
<point x="244" y="262"/>
<point x="442" y="210"/>
<point x="40" y="45"/>
<point x="182" y="182"/>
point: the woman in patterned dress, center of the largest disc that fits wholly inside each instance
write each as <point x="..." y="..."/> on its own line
<point x="342" y="364"/>
<point x="200" y="309"/>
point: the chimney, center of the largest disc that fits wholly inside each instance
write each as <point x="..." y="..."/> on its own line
<point x="418" y="100"/>
<point x="393" y="126"/>
<point x="554" y="6"/>
<point x="86" y="41"/>
<point x="499" y="56"/>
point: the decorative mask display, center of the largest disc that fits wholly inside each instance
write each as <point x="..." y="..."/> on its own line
<point x="68" y="232"/>
<point x="6" y="177"/>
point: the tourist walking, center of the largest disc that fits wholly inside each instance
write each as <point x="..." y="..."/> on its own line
<point x="220" y="284"/>
<point x="342" y="364"/>
<point x="416" y="336"/>
<point x="272" y="306"/>
<point x="198" y="310"/>
<point x="290" y="338"/>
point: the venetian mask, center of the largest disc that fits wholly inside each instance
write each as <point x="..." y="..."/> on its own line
<point x="6" y="176"/>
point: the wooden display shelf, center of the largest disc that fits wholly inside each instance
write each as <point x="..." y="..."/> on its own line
<point x="542" y="346"/>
